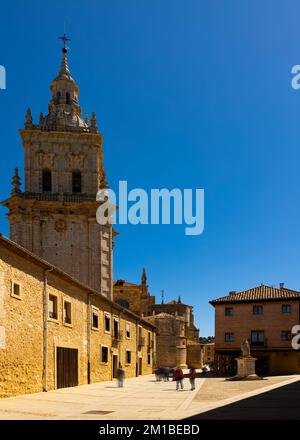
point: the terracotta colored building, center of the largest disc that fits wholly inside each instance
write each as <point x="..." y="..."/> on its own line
<point x="265" y="316"/>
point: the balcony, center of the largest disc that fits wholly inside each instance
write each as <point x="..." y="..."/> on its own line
<point x="141" y="341"/>
<point x="117" y="336"/>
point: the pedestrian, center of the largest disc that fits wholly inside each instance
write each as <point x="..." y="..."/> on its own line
<point x="120" y="376"/>
<point x="179" y="378"/>
<point x="192" y="377"/>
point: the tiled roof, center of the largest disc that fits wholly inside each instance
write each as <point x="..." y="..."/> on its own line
<point x="260" y="293"/>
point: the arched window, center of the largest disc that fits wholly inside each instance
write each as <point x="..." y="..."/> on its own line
<point x="47" y="180"/>
<point x="123" y="303"/>
<point x="68" y="98"/>
<point x="76" y="182"/>
<point x="58" y="96"/>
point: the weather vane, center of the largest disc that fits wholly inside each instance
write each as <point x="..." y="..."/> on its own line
<point x="64" y="38"/>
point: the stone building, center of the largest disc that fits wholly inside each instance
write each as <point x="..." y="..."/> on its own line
<point x="58" y="324"/>
<point x="177" y="336"/>
<point x="208" y="353"/>
<point x="135" y="297"/>
<point x="56" y="332"/>
<point x="264" y="316"/>
<point x="55" y="217"/>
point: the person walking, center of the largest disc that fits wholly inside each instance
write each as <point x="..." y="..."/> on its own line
<point x="179" y="378"/>
<point x="192" y="377"/>
<point x="120" y="376"/>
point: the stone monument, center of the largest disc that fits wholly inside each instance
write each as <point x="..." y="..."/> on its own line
<point x="245" y="364"/>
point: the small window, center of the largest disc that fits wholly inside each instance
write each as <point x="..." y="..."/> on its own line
<point x="128" y="334"/>
<point x="149" y="339"/>
<point x="76" y="182"/>
<point x="67" y="312"/>
<point x="107" y="322"/>
<point x="67" y="98"/>
<point x="128" y="357"/>
<point x="286" y="335"/>
<point x="95" y="319"/>
<point x="104" y="355"/>
<point x="47" y="180"/>
<point x="258" y="338"/>
<point x="228" y="311"/>
<point x="258" y="310"/>
<point x="286" y="308"/>
<point x="16" y="290"/>
<point x="229" y="337"/>
<point x="149" y="359"/>
<point x="52" y="307"/>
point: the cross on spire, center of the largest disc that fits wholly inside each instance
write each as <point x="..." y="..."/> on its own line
<point x="65" y="39"/>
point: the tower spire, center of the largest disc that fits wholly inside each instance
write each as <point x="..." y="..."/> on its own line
<point x="144" y="276"/>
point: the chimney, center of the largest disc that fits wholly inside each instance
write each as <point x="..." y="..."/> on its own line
<point x="281" y="285"/>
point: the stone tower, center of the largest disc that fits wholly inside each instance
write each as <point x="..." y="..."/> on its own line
<point x="55" y="217"/>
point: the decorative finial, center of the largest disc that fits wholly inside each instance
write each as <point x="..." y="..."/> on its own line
<point x="16" y="183"/>
<point x="179" y="300"/>
<point x="41" y="121"/>
<point x="28" y="119"/>
<point x="103" y="181"/>
<point x="94" y="125"/>
<point x="144" y="276"/>
<point x="87" y="120"/>
<point x="162" y="296"/>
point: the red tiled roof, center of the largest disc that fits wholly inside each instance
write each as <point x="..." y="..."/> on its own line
<point x="261" y="293"/>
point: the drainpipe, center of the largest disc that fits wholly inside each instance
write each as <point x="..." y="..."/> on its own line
<point x="45" y="330"/>
<point x="89" y="331"/>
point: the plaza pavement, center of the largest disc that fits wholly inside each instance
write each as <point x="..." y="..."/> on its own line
<point x="141" y="398"/>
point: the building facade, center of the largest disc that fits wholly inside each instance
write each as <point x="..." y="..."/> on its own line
<point x="56" y="332"/>
<point x="177" y="336"/>
<point x="135" y="297"/>
<point x="265" y="316"/>
<point x="55" y="216"/>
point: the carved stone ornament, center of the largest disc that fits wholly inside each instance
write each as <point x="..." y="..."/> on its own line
<point x="46" y="160"/>
<point x="76" y="161"/>
<point x="60" y="226"/>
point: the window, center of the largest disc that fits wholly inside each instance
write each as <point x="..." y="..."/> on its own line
<point x="76" y="182"/>
<point x="258" y="310"/>
<point x="149" y="359"/>
<point x="16" y="290"/>
<point x="286" y="308"/>
<point x="107" y="322"/>
<point x="286" y="335"/>
<point x="67" y="98"/>
<point x="128" y="335"/>
<point x="104" y="355"/>
<point x="67" y="312"/>
<point x="123" y="302"/>
<point x="47" y="180"/>
<point x="257" y="338"/>
<point x="116" y="329"/>
<point x="128" y="357"/>
<point x="52" y="307"/>
<point x="95" y="319"/>
<point x="228" y="311"/>
<point x="229" y="337"/>
<point x="149" y="339"/>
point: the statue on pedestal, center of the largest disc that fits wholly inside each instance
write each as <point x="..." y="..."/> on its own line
<point x="245" y="347"/>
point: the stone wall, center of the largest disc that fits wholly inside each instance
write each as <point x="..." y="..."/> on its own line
<point x="21" y="328"/>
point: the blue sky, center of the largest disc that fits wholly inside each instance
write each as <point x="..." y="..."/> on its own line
<point x="188" y="94"/>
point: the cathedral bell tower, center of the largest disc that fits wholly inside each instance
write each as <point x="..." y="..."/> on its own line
<point x="55" y="216"/>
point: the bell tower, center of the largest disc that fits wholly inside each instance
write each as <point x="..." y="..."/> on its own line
<point x="55" y="216"/>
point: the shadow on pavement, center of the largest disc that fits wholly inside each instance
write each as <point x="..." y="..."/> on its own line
<point x="282" y="403"/>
